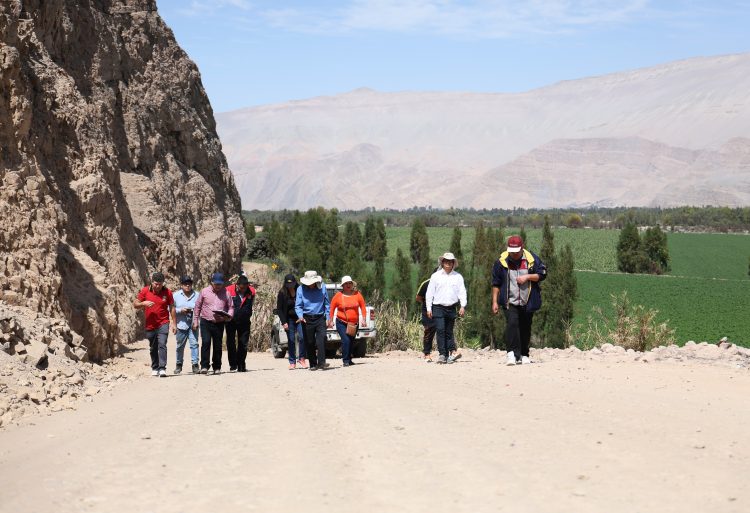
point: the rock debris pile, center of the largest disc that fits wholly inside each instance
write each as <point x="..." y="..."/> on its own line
<point x="44" y="366"/>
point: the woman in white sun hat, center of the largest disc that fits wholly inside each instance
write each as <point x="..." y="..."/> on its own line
<point x="446" y="293"/>
<point x="346" y="305"/>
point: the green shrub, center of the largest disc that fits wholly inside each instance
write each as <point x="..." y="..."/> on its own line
<point x="631" y="326"/>
<point x="399" y="331"/>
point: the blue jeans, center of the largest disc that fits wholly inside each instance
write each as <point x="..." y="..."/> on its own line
<point x="295" y="331"/>
<point x="346" y="342"/>
<point x="445" y="318"/>
<point x="182" y="337"/>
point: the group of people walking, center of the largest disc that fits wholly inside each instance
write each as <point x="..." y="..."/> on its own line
<point x="515" y="290"/>
<point x="215" y="310"/>
<point x="305" y="312"/>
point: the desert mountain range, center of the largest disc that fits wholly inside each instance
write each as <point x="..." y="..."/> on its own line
<point x="668" y="135"/>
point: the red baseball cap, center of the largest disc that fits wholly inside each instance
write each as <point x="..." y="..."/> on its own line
<point x="515" y="243"/>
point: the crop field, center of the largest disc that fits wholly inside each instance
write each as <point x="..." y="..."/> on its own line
<point x="706" y="296"/>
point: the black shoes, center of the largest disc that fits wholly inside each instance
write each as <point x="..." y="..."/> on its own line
<point x="178" y="369"/>
<point x="196" y="369"/>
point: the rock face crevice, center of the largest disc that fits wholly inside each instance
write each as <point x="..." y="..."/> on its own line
<point x="111" y="166"/>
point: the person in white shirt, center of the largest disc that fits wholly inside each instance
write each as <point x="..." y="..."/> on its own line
<point x="445" y="292"/>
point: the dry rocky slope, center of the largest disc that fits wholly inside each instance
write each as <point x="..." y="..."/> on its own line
<point x="673" y="134"/>
<point x="111" y="168"/>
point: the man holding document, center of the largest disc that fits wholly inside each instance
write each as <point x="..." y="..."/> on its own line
<point x="214" y="308"/>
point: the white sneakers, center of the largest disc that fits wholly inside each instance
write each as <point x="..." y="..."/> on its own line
<point x="162" y="373"/>
<point x="525" y="360"/>
<point x="154" y="372"/>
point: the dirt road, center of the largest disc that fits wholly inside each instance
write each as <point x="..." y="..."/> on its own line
<point x="395" y="434"/>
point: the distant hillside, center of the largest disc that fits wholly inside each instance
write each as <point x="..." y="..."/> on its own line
<point x="673" y="134"/>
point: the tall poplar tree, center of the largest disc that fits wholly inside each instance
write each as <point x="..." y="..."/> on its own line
<point x="631" y="258"/>
<point x="456" y="243"/>
<point x="419" y="243"/>
<point x="353" y="235"/>
<point x="402" y="287"/>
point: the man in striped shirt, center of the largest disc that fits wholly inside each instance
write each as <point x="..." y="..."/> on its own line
<point x="213" y="309"/>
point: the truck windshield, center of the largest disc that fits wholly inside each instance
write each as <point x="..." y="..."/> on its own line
<point x="331" y="290"/>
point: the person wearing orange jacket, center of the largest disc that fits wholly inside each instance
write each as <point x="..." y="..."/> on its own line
<point x="347" y="305"/>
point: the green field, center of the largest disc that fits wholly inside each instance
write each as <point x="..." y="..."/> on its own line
<point x="706" y="296"/>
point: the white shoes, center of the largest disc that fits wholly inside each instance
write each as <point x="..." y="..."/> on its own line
<point x="162" y="373"/>
<point x="154" y="372"/>
<point x="525" y="360"/>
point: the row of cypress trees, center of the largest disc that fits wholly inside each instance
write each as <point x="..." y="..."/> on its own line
<point x="559" y="289"/>
<point x="313" y="240"/>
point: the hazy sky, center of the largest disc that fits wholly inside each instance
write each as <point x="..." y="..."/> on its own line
<point x="253" y="52"/>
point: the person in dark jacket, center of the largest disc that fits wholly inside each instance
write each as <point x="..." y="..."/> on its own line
<point x="515" y="289"/>
<point x="427" y="323"/>
<point x="238" y="329"/>
<point x="288" y="317"/>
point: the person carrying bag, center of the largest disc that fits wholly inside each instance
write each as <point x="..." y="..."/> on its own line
<point x="347" y="305"/>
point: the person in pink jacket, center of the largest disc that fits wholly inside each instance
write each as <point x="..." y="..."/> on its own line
<point x="213" y="309"/>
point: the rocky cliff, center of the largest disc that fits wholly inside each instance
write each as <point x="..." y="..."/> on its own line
<point x="111" y="166"/>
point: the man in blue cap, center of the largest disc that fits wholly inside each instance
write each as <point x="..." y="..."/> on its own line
<point x="184" y="304"/>
<point x="214" y="308"/>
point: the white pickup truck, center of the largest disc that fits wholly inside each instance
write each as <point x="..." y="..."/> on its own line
<point x="367" y="331"/>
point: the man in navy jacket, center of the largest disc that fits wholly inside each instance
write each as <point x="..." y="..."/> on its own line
<point x="238" y="329"/>
<point x="515" y="288"/>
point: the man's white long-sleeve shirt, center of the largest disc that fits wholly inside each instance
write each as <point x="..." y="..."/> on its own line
<point x="446" y="289"/>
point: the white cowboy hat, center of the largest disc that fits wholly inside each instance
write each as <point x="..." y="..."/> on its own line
<point x="346" y="279"/>
<point x="311" y="277"/>
<point x="448" y="256"/>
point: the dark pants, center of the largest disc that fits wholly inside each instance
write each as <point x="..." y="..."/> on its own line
<point x="346" y="342"/>
<point x="314" y="334"/>
<point x="429" y="332"/>
<point x="445" y="318"/>
<point x="429" y="335"/>
<point x="294" y="336"/>
<point x="212" y="333"/>
<point x="157" y="345"/>
<point x="238" y="336"/>
<point x="517" y="330"/>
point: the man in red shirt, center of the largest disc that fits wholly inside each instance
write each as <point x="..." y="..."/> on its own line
<point x="158" y="305"/>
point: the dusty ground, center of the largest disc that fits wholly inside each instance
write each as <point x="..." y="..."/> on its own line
<point x="395" y="434"/>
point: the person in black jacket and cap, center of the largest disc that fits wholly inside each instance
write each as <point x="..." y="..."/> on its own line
<point x="515" y="288"/>
<point x="238" y="329"/>
<point x="288" y="317"/>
